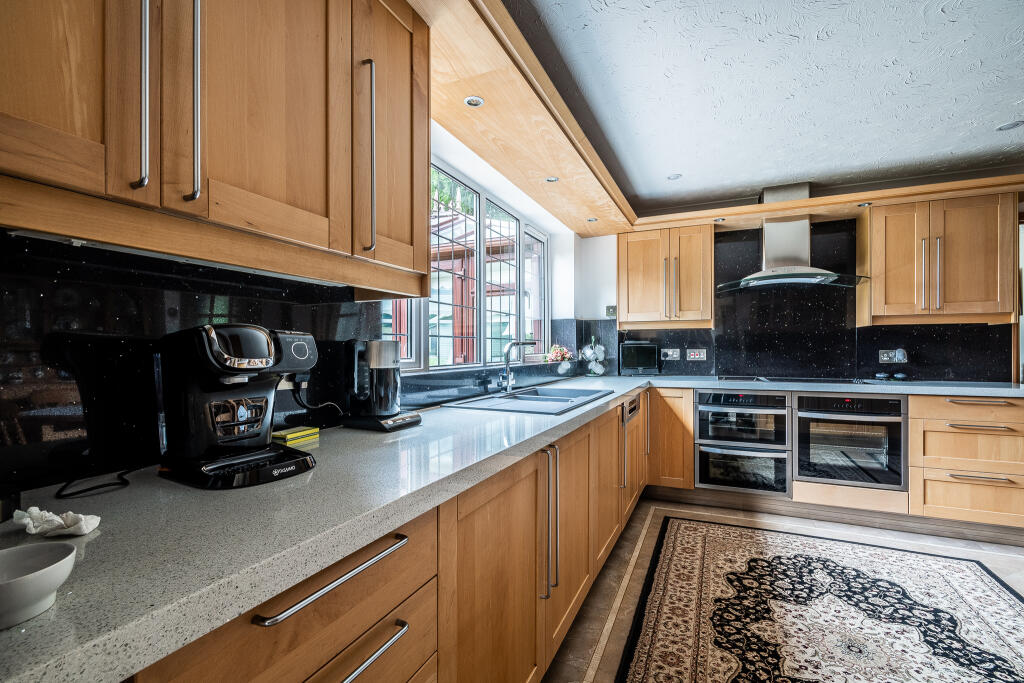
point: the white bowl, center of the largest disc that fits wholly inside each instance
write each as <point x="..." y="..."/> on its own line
<point x="29" y="578"/>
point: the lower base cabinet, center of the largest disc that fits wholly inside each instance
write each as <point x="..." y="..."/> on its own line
<point x="986" y="497"/>
<point x="671" y="458"/>
<point x="605" y="480"/>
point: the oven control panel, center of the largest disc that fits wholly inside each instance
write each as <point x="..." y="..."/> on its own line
<point x="851" y="404"/>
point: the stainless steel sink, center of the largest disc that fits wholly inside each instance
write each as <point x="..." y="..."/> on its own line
<point x="543" y="400"/>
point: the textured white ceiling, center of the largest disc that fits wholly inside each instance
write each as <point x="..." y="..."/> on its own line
<point x="737" y="95"/>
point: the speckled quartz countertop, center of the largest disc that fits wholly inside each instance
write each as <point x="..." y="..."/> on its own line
<point x="170" y="563"/>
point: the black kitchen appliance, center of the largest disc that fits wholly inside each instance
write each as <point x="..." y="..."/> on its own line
<point x="638" y="358"/>
<point x="219" y="386"/>
<point x="742" y="441"/>
<point x="854" y="440"/>
<point x="363" y="380"/>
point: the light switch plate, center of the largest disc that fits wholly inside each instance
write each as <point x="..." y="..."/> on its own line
<point x="696" y="354"/>
<point x="670" y="354"/>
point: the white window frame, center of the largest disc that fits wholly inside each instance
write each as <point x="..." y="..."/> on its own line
<point x="419" y="334"/>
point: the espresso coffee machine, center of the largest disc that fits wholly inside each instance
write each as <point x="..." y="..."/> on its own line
<point x="363" y="379"/>
<point x="219" y="386"/>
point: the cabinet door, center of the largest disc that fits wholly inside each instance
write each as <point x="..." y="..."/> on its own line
<point x="390" y="136"/>
<point x="71" y="90"/>
<point x="973" y="244"/>
<point x="492" y="571"/>
<point x="634" y="469"/>
<point x="605" y="478"/>
<point x="671" y="459"/>
<point x="899" y="259"/>
<point x="643" y="276"/>
<point x="571" y="533"/>
<point x="691" y="272"/>
<point x="263" y="112"/>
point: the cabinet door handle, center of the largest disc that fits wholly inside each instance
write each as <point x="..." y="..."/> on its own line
<point x="402" y="628"/>
<point x="647" y="421"/>
<point x="373" y="154"/>
<point x="966" y="426"/>
<point x="675" y="287"/>
<point x="664" y="287"/>
<point x="924" y="272"/>
<point x="401" y="539"/>
<point x="938" y="273"/>
<point x="547" y="593"/>
<point x="558" y="513"/>
<point x="625" y="454"/>
<point x="143" y="100"/>
<point x="978" y="402"/>
<point x="197" y="164"/>
<point x="977" y="476"/>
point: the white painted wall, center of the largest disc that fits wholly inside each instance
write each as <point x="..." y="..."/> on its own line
<point x="594" y="272"/>
<point x="562" y="249"/>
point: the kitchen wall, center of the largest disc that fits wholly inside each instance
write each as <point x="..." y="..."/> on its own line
<point x="810" y="330"/>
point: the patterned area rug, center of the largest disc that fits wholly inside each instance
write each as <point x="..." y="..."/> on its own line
<point x="731" y="603"/>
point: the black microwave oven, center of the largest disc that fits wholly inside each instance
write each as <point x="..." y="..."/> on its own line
<point x="638" y="358"/>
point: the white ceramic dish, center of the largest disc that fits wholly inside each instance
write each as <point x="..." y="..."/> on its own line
<point x="29" y="578"/>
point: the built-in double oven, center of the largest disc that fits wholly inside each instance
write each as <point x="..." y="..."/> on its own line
<point x="761" y="441"/>
<point x="742" y="441"/>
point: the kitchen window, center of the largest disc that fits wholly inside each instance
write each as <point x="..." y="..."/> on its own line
<point x="488" y="280"/>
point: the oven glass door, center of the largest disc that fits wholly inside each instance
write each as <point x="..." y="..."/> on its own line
<point x="844" y="449"/>
<point x="743" y="426"/>
<point x="748" y="470"/>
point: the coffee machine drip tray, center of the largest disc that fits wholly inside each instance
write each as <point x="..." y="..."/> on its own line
<point x="276" y="461"/>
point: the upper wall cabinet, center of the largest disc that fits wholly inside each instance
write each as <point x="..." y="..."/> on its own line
<point x="390" y="134"/>
<point x="944" y="257"/>
<point x="73" y="80"/>
<point x="666" y="276"/>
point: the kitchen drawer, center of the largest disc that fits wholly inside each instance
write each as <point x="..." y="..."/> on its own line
<point x="427" y="672"/>
<point x="959" y="445"/>
<point x="967" y="408"/>
<point x="298" y="646"/>
<point x="968" y="496"/>
<point x="395" y="648"/>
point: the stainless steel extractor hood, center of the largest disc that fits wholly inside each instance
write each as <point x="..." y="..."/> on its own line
<point x="786" y="250"/>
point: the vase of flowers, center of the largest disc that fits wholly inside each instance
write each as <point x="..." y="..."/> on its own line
<point x="561" y="355"/>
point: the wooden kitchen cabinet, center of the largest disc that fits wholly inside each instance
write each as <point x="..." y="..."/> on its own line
<point x="944" y="257"/>
<point x="634" y="454"/>
<point x="72" y="89"/>
<point x="671" y="456"/>
<point x="390" y="135"/>
<point x="605" y="479"/>
<point x="492" y="572"/>
<point x="666" y="275"/>
<point x="572" y="569"/>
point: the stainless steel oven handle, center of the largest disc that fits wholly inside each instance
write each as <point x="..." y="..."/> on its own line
<point x="774" y="455"/>
<point x="955" y="425"/>
<point x="741" y="409"/>
<point x="842" y="417"/>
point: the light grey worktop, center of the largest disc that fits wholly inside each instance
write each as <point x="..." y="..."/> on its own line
<point x="170" y="563"/>
<point x="986" y="389"/>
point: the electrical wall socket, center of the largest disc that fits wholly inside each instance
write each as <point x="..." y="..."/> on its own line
<point x="670" y="354"/>
<point x="610" y="311"/>
<point x="696" y="354"/>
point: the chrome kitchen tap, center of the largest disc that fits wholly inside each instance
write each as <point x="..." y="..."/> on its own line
<point x="506" y="379"/>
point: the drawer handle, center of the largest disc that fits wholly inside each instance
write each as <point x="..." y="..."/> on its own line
<point x="978" y="476"/>
<point x="964" y="426"/>
<point x="197" y="98"/>
<point x="143" y="101"/>
<point x="977" y="402"/>
<point x="401" y="539"/>
<point x="402" y="628"/>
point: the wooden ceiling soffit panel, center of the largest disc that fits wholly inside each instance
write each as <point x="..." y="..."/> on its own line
<point x="524" y="128"/>
<point x="832" y="207"/>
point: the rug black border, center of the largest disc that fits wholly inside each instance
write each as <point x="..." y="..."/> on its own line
<point x="629" y="650"/>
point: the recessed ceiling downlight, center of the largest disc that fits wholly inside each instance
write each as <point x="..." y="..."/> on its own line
<point x="862" y="204"/>
<point x="591" y="220"/>
<point x="719" y="220"/>
<point x="552" y="179"/>
<point x="474" y="101"/>
<point x="675" y="176"/>
<point x="1011" y="125"/>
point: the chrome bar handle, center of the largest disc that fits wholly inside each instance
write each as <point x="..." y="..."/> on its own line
<point x="373" y="155"/>
<point x="1003" y="428"/>
<point x="647" y="422"/>
<point x="401" y="539"/>
<point x="143" y="101"/>
<point x="547" y="593"/>
<point x="924" y="271"/>
<point x="402" y="628"/>
<point x="977" y="476"/>
<point x="197" y="163"/>
<point x="938" y="273"/>
<point x="558" y="513"/>
<point x="978" y="402"/>
<point x="625" y="453"/>
<point x="675" y="287"/>
<point x="664" y="287"/>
